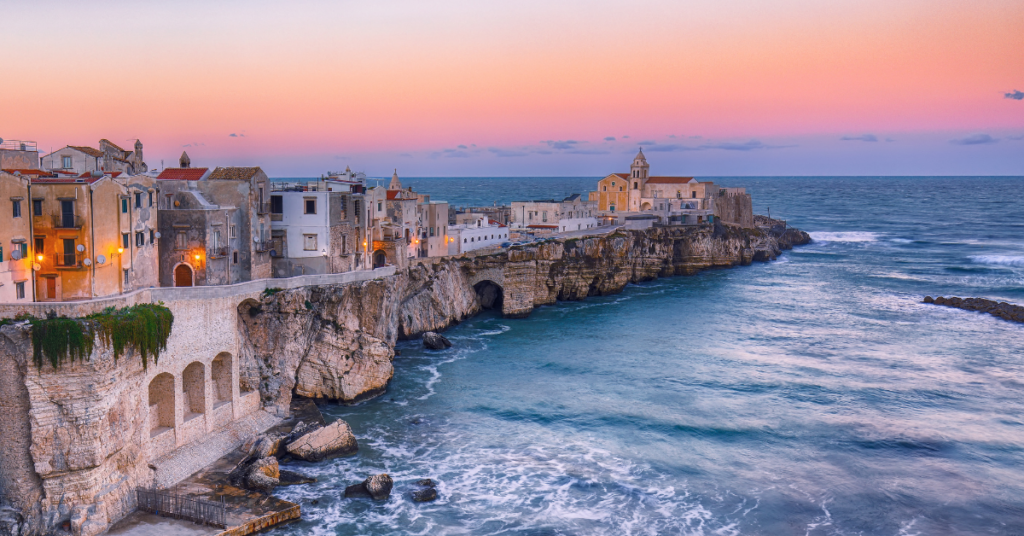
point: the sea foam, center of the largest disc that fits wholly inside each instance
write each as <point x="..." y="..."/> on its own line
<point x="1002" y="260"/>
<point x="845" y="236"/>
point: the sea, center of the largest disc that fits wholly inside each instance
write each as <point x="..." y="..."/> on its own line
<point x="813" y="395"/>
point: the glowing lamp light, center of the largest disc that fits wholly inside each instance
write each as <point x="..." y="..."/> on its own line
<point x="197" y="256"/>
<point x="120" y="250"/>
<point x="39" y="258"/>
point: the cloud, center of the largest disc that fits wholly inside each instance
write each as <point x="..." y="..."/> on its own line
<point x="1016" y="138"/>
<point x="233" y="135"/>
<point x="498" y="151"/>
<point x="587" y="151"/>
<point x="1015" y="95"/>
<point x="625" y="137"/>
<point x="545" y="152"/>
<point x="671" y="148"/>
<point x="865" y="137"/>
<point x="463" y="147"/>
<point x="977" y="139"/>
<point x="452" y="153"/>
<point x="751" y="145"/>
<point x="561" y="145"/>
<point x="195" y="144"/>
<point x="647" y="142"/>
<point x="609" y="138"/>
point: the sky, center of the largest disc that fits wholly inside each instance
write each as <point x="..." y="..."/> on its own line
<point x="526" y="88"/>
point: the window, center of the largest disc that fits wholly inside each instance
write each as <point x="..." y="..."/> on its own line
<point x="37" y="207"/>
<point x="124" y="240"/>
<point x="636" y="185"/>
<point x="124" y="206"/>
<point x="379" y="206"/>
<point x="311" y="206"/>
<point x="16" y="207"/>
<point x="138" y="199"/>
<point x="431" y="231"/>
<point x="216" y="239"/>
<point x="150" y="199"/>
<point x="612" y="208"/>
<point x="309" y="242"/>
<point x="465" y="240"/>
<point x="140" y="239"/>
<point x="66" y="162"/>
<point x="544" y="216"/>
<point x="613" y="183"/>
<point x="69" y="253"/>
<point x="344" y="241"/>
<point x="231" y="232"/>
<point x="276" y="204"/>
<point x="1" y="254"/>
<point x="344" y="201"/>
<point x="181" y="240"/>
<point x="19" y="288"/>
<point x="152" y="236"/>
<point x="234" y="257"/>
<point x="126" y="283"/>
<point x="694" y="196"/>
<point x="40" y="242"/>
<point x="605" y="188"/>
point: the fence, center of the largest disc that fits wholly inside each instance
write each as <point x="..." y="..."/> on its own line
<point x="170" y="504"/>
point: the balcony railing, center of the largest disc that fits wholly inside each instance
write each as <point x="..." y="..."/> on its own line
<point x="262" y="245"/>
<point x="216" y="253"/>
<point x="262" y="208"/>
<point x="66" y="260"/>
<point x="67" y="221"/>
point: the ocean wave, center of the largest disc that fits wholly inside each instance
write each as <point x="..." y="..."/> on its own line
<point x="1001" y="260"/>
<point x="845" y="236"/>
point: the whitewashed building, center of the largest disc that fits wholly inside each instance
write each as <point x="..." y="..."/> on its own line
<point x="475" y="231"/>
<point x="570" y="214"/>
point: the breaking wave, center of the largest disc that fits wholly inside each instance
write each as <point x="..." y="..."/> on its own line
<point x="845" y="236"/>
<point x="1001" y="260"/>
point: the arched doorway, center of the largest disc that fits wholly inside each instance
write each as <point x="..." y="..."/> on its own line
<point x="183" y="275"/>
<point x="379" y="258"/>
<point x="490" y="294"/>
<point x="645" y="206"/>
<point x="161" y="404"/>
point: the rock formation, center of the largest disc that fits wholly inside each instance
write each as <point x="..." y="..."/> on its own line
<point x="435" y="341"/>
<point x="333" y="440"/>
<point x="1006" y="311"/>
<point x="377" y="487"/>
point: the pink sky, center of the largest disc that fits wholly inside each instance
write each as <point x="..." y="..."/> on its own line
<point x="307" y="86"/>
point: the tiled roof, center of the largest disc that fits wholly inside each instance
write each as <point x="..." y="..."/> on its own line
<point x="87" y="150"/>
<point x="65" y="180"/>
<point x="88" y="174"/>
<point x="114" y="145"/>
<point x="234" y="173"/>
<point x="542" y="226"/>
<point x="669" y="180"/>
<point x="29" y="172"/>
<point x="182" y="174"/>
<point x="623" y="175"/>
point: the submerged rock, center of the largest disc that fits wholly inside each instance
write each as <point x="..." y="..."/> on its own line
<point x="427" y="493"/>
<point x="335" y="439"/>
<point x="1006" y="311"/>
<point x="291" y="478"/>
<point x="377" y="487"/>
<point x="435" y="341"/>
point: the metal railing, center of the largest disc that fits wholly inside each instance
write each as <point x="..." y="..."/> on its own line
<point x="67" y="221"/>
<point x="262" y="208"/>
<point x="170" y="504"/>
<point x="66" y="260"/>
<point x="214" y="253"/>
<point x="19" y="145"/>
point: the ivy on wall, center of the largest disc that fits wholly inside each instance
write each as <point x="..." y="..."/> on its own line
<point x="144" y="327"/>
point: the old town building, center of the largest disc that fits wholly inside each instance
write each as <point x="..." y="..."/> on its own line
<point x="15" y="237"/>
<point x="550" y="216"/>
<point x="77" y="159"/>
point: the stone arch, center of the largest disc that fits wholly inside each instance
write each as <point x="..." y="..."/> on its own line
<point x="193" y="389"/>
<point x="380" y="258"/>
<point x="221" y="374"/>
<point x="161" y="404"/>
<point x="645" y="206"/>
<point x="490" y="294"/>
<point x="184" y="275"/>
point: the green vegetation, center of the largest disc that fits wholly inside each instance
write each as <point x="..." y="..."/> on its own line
<point x="268" y="292"/>
<point x="144" y="327"/>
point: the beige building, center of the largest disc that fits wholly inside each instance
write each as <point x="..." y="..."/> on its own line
<point x="15" y="239"/>
<point x="570" y="214"/>
<point x="93" y="236"/>
<point x="78" y="159"/>
<point x="18" y="155"/>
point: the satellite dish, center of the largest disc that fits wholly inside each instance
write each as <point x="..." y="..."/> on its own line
<point x="80" y="248"/>
<point x="16" y="255"/>
<point x="37" y="267"/>
<point x="101" y="259"/>
<point x="157" y="234"/>
<point x="256" y="239"/>
<point x="87" y="262"/>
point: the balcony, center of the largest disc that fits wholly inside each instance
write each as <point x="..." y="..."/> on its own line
<point x="262" y="246"/>
<point x="67" y="221"/>
<point x="262" y="207"/>
<point x="66" y="260"/>
<point x="217" y="253"/>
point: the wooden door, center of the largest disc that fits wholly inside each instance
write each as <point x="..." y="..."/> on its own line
<point x="183" y="276"/>
<point x="51" y="288"/>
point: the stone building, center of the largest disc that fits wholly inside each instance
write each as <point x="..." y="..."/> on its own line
<point x="18" y="155"/>
<point x="570" y="214"/>
<point x="77" y="159"/>
<point x="214" y="226"/>
<point x="683" y="198"/>
<point x="15" y="237"/>
<point x="93" y="235"/>
<point x="433" y="227"/>
<point x="475" y="231"/>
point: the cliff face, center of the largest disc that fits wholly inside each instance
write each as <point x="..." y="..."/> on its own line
<point x="337" y="342"/>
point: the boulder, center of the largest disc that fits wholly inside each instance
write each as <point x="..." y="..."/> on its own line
<point x="333" y="440"/>
<point x="427" y="493"/>
<point x="263" y="445"/>
<point x="379" y="486"/>
<point x="435" y="341"/>
<point x="929" y="299"/>
<point x="263" y="475"/>
<point x="356" y="491"/>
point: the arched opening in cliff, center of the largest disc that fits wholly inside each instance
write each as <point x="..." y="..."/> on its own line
<point x="490" y="294"/>
<point x="220" y="373"/>
<point x="161" y="404"/>
<point x="193" y="387"/>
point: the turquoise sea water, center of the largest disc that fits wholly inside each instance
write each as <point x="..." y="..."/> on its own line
<point x="812" y="395"/>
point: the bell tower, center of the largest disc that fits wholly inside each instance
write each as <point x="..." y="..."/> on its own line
<point x="638" y="174"/>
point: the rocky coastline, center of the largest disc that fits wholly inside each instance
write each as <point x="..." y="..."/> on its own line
<point x="336" y="342"/>
<point x="1006" y="311"/>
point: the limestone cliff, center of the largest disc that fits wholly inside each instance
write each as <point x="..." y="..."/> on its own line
<point x="337" y="342"/>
